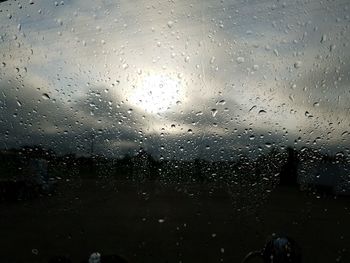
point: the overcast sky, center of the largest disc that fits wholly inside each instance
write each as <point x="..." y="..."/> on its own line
<point x="178" y="78"/>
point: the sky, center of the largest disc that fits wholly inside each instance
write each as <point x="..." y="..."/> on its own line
<point x="181" y="79"/>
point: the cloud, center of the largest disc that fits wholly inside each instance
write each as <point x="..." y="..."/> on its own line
<point x="272" y="70"/>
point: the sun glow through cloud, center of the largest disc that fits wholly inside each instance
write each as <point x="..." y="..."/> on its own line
<point x="156" y="93"/>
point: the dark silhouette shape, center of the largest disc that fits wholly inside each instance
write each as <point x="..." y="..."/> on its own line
<point x="282" y="250"/>
<point x="277" y="250"/>
<point x="288" y="175"/>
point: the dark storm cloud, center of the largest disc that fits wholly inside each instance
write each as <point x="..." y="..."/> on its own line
<point x="30" y="117"/>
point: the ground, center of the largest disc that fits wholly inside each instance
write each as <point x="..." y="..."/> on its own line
<point x="153" y="222"/>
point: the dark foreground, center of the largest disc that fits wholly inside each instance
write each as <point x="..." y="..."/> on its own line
<point x="153" y="222"/>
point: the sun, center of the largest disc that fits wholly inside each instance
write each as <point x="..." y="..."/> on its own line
<point x="156" y="93"/>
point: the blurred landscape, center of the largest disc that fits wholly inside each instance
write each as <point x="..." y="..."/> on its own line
<point x="170" y="211"/>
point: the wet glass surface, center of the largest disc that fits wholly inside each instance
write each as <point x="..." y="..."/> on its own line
<point x="173" y="131"/>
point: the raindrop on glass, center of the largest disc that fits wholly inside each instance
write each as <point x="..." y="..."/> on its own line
<point x="170" y="24"/>
<point x="240" y="60"/>
<point x="297" y="64"/>
<point x="45" y="96"/>
<point x="221" y="102"/>
<point x="268" y="145"/>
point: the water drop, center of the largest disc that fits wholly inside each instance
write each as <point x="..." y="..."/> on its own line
<point x="170" y="24"/>
<point x="59" y="22"/>
<point x="268" y="145"/>
<point x="297" y="64"/>
<point x="240" y="60"/>
<point x="214" y="112"/>
<point x="307" y="114"/>
<point x="221" y="102"/>
<point x="45" y="96"/>
<point x="323" y="38"/>
<point x="252" y="108"/>
<point x="95" y="258"/>
<point x="345" y="133"/>
<point x="262" y="112"/>
<point x="339" y="154"/>
<point x="19" y="103"/>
